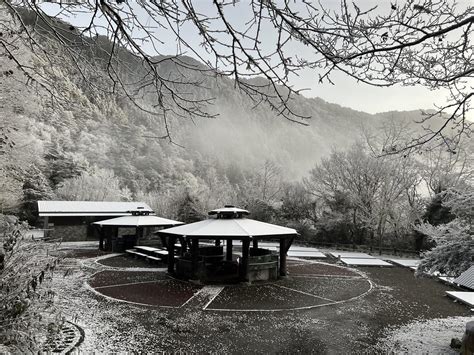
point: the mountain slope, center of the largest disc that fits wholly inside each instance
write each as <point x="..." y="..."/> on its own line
<point x="92" y="128"/>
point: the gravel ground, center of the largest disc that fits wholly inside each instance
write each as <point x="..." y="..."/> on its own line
<point x="83" y="253"/>
<point x="117" y="277"/>
<point x="128" y="261"/>
<point x="321" y="269"/>
<point x="165" y="293"/>
<point x="394" y="316"/>
<point x="262" y="297"/>
<point x="434" y="334"/>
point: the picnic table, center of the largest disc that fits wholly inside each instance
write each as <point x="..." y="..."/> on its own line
<point x="150" y="253"/>
<point x="146" y="249"/>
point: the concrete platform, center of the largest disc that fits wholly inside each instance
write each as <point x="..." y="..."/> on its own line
<point x="299" y="248"/>
<point x="305" y="254"/>
<point x="464" y="297"/>
<point x="364" y="262"/>
<point x="352" y="255"/>
<point x="411" y="263"/>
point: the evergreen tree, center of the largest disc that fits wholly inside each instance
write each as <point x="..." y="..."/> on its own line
<point x="35" y="188"/>
<point x="437" y="213"/>
<point x="189" y="210"/>
<point x="62" y="165"/>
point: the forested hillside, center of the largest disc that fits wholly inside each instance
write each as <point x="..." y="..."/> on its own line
<point x="101" y="146"/>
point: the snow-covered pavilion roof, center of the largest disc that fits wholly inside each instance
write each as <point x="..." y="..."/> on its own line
<point x="231" y="228"/>
<point x="139" y="221"/>
<point x="89" y="208"/>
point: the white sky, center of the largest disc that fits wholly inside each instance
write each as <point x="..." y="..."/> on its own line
<point x="346" y="91"/>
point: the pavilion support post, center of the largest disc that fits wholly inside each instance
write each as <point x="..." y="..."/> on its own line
<point x="244" y="266"/>
<point x="255" y="243"/>
<point x="194" y="255"/>
<point x="45" y="226"/>
<point x="283" y="251"/>
<point x="113" y="239"/>
<point x="182" y="241"/>
<point x="171" y="241"/>
<point x="164" y="242"/>
<point x="138" y="235"/>
<point x="288" y="243"/>
<point x="228" y="255"/>
<point x="108" y="239"/>
<point x="101" y="238"/>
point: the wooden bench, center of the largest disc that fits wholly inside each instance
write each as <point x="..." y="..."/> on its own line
<point x="146" y="249"/>
<point x="135" y="253"/>
<point x="152" y="258"/>
<point x="162" y="254"/>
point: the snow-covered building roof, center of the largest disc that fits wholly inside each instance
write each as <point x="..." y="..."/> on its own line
<point x="89" y="208"/>
<point x="466" y="279"/>
<point x="139" y="221"/>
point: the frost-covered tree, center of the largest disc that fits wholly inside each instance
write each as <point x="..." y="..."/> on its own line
<point x="297" y="204"/>
<point x="268" y="182"/>
<point x="94" y="185"/>
<point x="10" y="186"/>
<point x="189" y="209"/>
<point x="374" y="189"/>
<point x="442" y="169"/>
<point x="35" y="188"/>
<point x="62" y="165"/>
<point x="453" y="252"/>
<point x="26" y="266"/>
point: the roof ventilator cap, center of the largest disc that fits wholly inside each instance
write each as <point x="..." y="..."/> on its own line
<point x="229" y="212"/>
<point x="139" y="213"/>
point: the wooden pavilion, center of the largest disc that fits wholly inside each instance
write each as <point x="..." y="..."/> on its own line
<point x="228" y="224"/>
<point x="109" y="234"/>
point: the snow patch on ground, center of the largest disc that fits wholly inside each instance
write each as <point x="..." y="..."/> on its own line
<point x="424" y="337"/>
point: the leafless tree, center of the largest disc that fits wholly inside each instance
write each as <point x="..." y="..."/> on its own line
<point x="417" y="42"/>
<point x="268" y="182"/>
<point x="375" y="188"/>
<point x="441" y="170"/>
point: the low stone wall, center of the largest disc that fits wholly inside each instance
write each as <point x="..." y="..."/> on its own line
<point x="184" y="269"/>
<point x="263" y="266"/>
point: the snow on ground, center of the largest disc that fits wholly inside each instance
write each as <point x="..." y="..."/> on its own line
<point x="79" y="305"/>
<point x="113" y="326"/>
<point x="424" y="337"/>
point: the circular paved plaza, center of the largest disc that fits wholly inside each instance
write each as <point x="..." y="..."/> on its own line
<point x="309" y="285"/>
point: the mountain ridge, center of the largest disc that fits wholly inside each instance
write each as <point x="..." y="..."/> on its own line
<point x="107" y="131"/>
